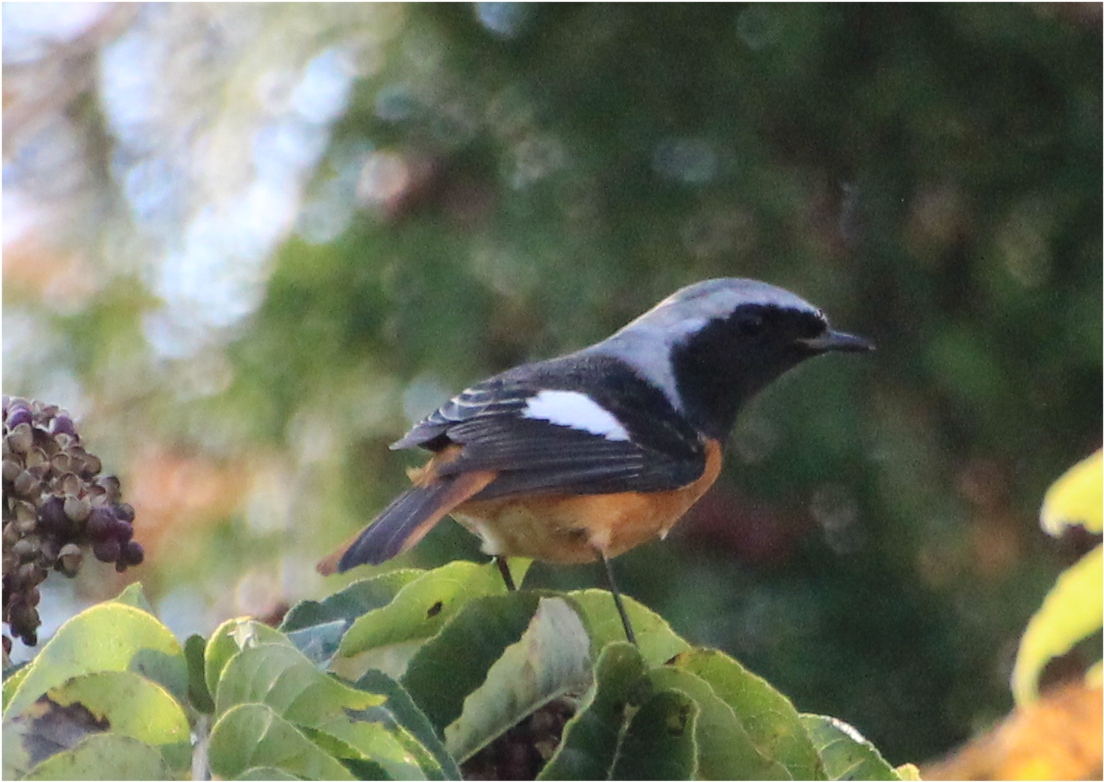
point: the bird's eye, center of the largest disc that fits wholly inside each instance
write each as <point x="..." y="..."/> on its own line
<point x="750" y="326"/>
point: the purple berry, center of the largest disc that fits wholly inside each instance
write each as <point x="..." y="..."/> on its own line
<point x="52" y="518"/>
<point x="17" y="416"/>
<point x="101" y="524"/>
<point x="134" y="554"/>
<point x="123" y="531"/>
<point x="63" y="424"/>
<point x="107" y="550"/>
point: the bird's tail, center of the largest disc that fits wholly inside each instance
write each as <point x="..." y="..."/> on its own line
<point x="405" y="521"/>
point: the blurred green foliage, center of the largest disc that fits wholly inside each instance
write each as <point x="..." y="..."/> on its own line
<point x="520" y="180"/>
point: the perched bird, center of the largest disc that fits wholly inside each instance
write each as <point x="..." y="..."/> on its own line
<point x="582" y="457"/>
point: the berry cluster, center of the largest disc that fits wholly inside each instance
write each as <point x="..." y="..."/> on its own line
<point x="55" y="502"/>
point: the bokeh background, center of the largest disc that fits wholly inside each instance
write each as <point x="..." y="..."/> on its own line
<point x="248" y="245"/>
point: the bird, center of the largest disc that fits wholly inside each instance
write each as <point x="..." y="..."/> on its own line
<point x="582" y="457"/>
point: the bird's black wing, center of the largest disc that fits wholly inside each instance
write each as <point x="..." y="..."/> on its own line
<point x="644" y="445"/>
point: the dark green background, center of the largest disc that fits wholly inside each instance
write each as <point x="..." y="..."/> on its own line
<point x="929" y="175"/>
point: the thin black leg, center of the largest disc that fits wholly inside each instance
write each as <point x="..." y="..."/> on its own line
<point x="617" y="600"/>
<point x="504" y="569"/>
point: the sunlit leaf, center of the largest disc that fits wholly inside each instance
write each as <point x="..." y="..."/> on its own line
<point x="725" y="750"/>
<point x="401" y="708"/>
<point x="658" y="642"/>
<point x="280" y="676"/>
<point x="552" y="658"/>
<point x="416" y="613"/>
<point x="263" y="773"/>
<point x="104" y="756"/>
<point x="769" y="718"/>
<point x="252" y="734"/>
<point x="844" y="752"/>
<point x="1076" y="498"/>
<point x="230" y="638"/>
<point x="134" y="706"/>
<point x="1072" y="610"/>
<point x="350" y="603"/>
<point x="454" y="663"/>
<point x="107" y="637"/>
<point x="134" y="595"/>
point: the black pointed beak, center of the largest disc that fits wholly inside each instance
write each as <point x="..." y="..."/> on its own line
<point x="837" y="341"/>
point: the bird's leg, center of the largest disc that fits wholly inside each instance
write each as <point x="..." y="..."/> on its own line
<point x="504" y="569"/>
<point x="617" y="600"/>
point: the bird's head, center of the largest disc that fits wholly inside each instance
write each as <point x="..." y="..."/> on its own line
<point x="714" y="344"/>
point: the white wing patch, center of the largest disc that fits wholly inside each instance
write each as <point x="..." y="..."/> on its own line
<point x="575" y="410"/>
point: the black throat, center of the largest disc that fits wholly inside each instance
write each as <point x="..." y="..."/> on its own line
<point x="720" y="369"/>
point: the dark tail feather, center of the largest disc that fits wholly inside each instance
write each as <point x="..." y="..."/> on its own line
<point x="404" y="522"/>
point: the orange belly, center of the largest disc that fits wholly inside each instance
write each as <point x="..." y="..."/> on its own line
<point x="574" y="528"/>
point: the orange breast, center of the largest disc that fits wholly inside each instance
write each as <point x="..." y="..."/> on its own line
<point x="573" y="528"/>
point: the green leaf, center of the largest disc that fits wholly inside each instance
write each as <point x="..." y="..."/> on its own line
<point x="132" y="706"/>
<point x="107" y="637"/>
<point x="1076" y="498"/>
<point x="552" y="658"/>
<point x="359" y="763"/>
<point x="658" y="642"/>
<point x="725" y="750"/>
<point x="350" y="603"/>
<point x="592" y="738"/>
<point x="198" y="693"/>
<point x="262" y="773"/>
<point x="252" y="734"/>
<point x="769" y="718"/>
<point x="844" y="752"/>
<point x="659" y="741"/>
<point x="386" y="637"/>
<point x="104" y="756"/>
<point x="1072" y="610"/>
<point x="319" y="642"/>
<point x="401" y="708"/>
<point x="13" y="679"/>
<point x="230" y="638"/>
<point x="135" y="596"/>
<point x="281" y="677"/>
<point x="455" y="662"/>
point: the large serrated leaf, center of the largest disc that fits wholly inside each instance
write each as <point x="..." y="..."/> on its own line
<point x="401" y="708"/>
<point x="134" y="706"/>
<point x="452" y="664"/>
<point x="107" y="637"/>
<point x="591" y="739"/>
<point x="658" y="642"/>
<point x="357" y="761"/>
<point x="552" y="658"/>
<point x="420" y="608"/>
<point x="844" y="752"/>
<point x="659" y="740"/>
<point x="281" y="677"/>
<point x="352" y="602"/>
<point x="104" y="756"/>
<point x="230" y="638"/>
<point x="767" y="715"/>
<point x="725" y="750"/>
<point x="252" y="734"/>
